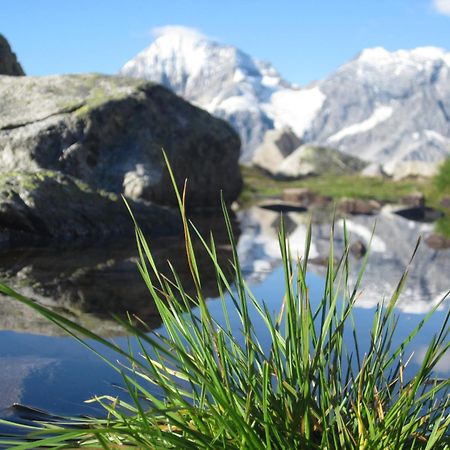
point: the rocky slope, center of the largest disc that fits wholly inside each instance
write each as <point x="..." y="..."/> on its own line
<point x="8" y="60"/>
<point x="109" y="132"/>
<point x="389" y="108"/>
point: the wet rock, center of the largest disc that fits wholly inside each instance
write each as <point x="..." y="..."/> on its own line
<point x="358" y="206"/>
<point x="358" y="249"/>
<point x="420" y="214"/>
<point x="280" y="206"/>
<point x="109" y="133"/>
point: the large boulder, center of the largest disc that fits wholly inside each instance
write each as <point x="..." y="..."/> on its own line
<point x="109" y="132"/>
<point x="47" y="206"/>
<point x="277" y="145"/>
<point x="307" y="161"/>
<point x="8" y="60"/>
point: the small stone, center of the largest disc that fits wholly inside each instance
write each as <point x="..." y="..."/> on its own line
<point x="358" y="206"/>
<point x="358" y="249"/>
<point x="437" y="242"/>
<point x="415" y="199"/>
<point x="302" y="196"/>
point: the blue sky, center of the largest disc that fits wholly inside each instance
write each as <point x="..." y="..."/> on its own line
<point x="305" y="39"/>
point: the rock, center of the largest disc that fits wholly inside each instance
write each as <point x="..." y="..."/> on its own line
<point x="304" y="197"/>
<point x="281" y="206"/>
<point x="358" y="206"/>
<point x="48" y="206"/>
<point x="276" y="146"/>
<point x="307" y="161"/>
<point x="399" y="170"/>
<point x="419" y="213"/>
<point x="322" y="261"/>
<point x="109" y="131"/>
<point x="358" y="249"/>
<point x="437" y="242"/>
<point x="8" y="60"/>
<point x="373" y="170"/>
<point x="415" y="199"/>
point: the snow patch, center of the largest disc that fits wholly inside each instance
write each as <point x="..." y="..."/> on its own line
<point x="178" y="30"/>
<point x="295" y="108"/>
<point x="380" y="114"/>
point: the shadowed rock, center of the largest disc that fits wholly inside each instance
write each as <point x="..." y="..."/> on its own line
<point x="8" y="60"/>
<point x="109" y="132"/>
<point x="48" y="206"/>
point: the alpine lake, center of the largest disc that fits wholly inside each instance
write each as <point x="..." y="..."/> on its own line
<point x="46" y="370"/>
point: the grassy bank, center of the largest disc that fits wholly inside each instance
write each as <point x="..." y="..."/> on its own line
<point x="308" y="387"/>
<point x="258" y="185"/>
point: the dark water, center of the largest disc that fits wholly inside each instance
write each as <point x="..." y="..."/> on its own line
<point x="44" y="369"/>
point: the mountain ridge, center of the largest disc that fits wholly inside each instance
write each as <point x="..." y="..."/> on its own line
<point x="384" y="107"/>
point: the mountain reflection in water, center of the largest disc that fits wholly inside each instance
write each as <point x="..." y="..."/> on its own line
<point x="391" y="249"/>
<point x="88" y="284"/>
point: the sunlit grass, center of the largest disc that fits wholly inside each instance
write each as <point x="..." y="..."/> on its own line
<point x="257" y="184"/>
<point x="220" y="388"/>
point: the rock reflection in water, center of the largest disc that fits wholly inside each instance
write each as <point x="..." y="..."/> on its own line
<point x="89" y="284"/>
<point x="391" y="249"/>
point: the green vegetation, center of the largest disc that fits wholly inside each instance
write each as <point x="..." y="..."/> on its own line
<point x="309" y="388"/>
<point x="440" y="190"/>
<point x="257" y="185"/>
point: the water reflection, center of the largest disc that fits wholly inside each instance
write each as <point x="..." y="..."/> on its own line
<point x="90" y="283"/>
<point x="391" y="248"/>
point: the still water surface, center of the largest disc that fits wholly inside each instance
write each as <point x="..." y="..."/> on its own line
<point x="45" y="369"/>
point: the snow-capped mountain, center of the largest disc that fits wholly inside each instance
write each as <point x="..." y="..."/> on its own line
<point x="387" y="107"/>
<point x="382" y="106"/>
<point x="227" y="82"/>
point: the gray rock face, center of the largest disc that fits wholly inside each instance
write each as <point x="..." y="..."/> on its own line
<point x="282" y="156"/>
<point x="308" y="160"/>
<point x="390" y="108"/>
<point x="46" y="206"/>
<point x="8" y="60"/>
<point x="276" y="146"/>
<point x="109" y="132"/>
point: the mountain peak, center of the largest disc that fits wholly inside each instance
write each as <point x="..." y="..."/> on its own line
<point x="382" y="106"/>
<point x="179" y="31"/>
